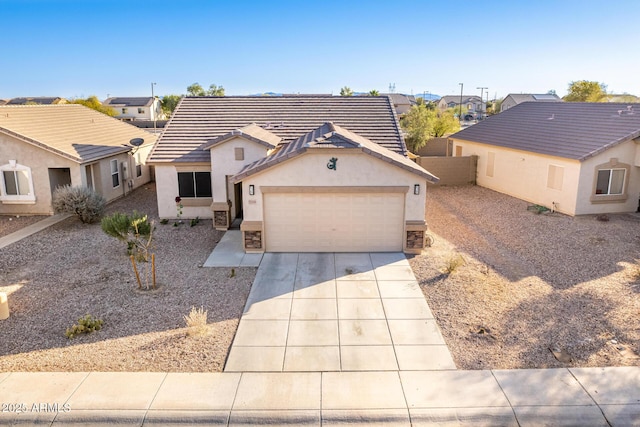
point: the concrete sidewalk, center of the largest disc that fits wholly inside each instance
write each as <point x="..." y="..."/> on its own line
<point x="580" y="396"/>
<point x="320" y="312"/>
<point x="230" y="253"/>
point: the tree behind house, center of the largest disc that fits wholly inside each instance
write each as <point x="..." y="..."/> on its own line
<point x="94" y="103"/>
<point x="169" y="104"/>
<point x="586" y="91"/>
<point x="423" y="123"/>
<point x="197" y="90"/>
<point x="346" y="91"/>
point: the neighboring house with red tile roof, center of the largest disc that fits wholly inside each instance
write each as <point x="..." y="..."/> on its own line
<point x="305" y="173"/>
<point x="579" y="158"/>
<point x="46" y="146"/>
<point x="136" y="108"/>
<point x="514" y="99"/>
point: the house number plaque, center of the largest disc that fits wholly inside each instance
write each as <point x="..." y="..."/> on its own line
<point x="332" y="163"/>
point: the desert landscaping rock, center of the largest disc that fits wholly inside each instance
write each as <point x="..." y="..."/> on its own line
<point x="71" y="269"/>
<point x="531" y="282"/>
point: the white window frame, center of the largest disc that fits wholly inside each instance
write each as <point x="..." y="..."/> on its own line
<point x="140" y="110"/>
<point x="116" y="173"/>
<point x="611" y="170"/>
<point x="28" y="198"/>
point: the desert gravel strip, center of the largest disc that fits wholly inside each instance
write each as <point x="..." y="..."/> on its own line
<point x="12" y="223"/>
<point x="71" y="269"/>
<point x="529" y="282"/>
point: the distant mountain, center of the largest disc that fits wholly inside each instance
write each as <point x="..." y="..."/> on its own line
<point x="266" y="94"/>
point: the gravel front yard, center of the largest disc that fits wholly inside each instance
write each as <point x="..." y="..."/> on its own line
<point x="530" y="282"/>
<point x="72" y="269"/>
<point x="11" y="223"/>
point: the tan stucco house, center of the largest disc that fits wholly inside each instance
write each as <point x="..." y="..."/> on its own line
<point x="576" y="158"/>
<point x="302" y="173"/>
<point x="46" y="146"/>
<point x="514" y="99"/>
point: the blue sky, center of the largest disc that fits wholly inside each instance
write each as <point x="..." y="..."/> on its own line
<point x="117" y="48"/>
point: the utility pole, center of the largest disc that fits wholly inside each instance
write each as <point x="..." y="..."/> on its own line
<point x="488" y="100"/>
<point x="153" y="107"/>
<point x="460" y="113"/>
<point x="482" y="97"/>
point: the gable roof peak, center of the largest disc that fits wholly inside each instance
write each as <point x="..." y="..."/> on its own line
<point x="330" y="135"/>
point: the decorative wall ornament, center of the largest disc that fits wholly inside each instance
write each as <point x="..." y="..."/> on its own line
<point x="332" y="163"/>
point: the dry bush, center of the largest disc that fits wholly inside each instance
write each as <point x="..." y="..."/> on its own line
<point x="196" y="321"/>
<point x="81" y="201"/>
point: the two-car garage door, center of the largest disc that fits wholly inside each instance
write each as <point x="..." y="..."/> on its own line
<point x="333" y="222"/>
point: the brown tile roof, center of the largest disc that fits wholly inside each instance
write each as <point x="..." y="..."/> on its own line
<point x="330" y="135"/>
<point x="198" y="120"/>
<point x="573" y="130"/>
<point x="70" y="130"/>
<point x="252" y="132"/>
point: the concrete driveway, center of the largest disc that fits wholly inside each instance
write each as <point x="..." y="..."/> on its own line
<point x="337" y="312"/>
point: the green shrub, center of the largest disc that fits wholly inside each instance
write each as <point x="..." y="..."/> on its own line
<point x="194" y="221"/>
<point x="85" y="325"/>
<point x="81" y="201"/>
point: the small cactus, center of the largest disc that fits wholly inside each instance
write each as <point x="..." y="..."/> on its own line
<point x="85" y="325"/>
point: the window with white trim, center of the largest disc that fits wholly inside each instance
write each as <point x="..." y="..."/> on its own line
<point x="16" y="184"/>
<point x="194" y="184"/>
<point x="140" y="110"/>
<point x="115" y="174"/>
<point x="610" y="181"/>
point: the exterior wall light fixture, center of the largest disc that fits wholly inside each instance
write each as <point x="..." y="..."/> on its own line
<point x="416" y="189"/>
<point x="252" y="190"/>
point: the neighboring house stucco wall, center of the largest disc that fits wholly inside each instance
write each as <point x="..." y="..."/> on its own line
<point x="525" y="175"/>
<point x="39" y="161"/>
<point x="352" y="169"/>
<point x="507" y="103"/>
<point x="224" y="164"/>
<point x="624" y="156"/>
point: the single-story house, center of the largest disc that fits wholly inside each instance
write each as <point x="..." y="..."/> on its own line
<point x="576" y="158"/>
<point x="46" y="146"/>
<point x="303" y="173"/>
<point x="514" y="99"/>
<point x="136" y="108"/>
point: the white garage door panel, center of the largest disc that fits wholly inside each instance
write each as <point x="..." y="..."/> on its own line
<point x="341" y="222"/>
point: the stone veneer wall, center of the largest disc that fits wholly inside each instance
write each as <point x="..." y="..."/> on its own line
<point x="415" y="239"/>
<point x="253" y="239"/>
<point x="220" y="219"/>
